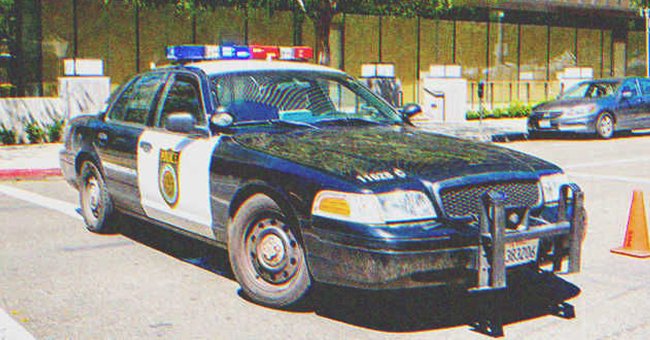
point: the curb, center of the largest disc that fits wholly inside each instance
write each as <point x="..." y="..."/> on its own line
<point x="27" y="174"/>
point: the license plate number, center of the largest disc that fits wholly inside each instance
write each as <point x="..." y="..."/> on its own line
<point x="545" y="124"/>
<point x="521" y="252"/>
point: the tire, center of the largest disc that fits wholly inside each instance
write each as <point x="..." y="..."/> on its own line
<point x="532" y="134"/>
<point x="96" y="205"/>
<point x="605" y="125"/>
<point x="267" y="258"/>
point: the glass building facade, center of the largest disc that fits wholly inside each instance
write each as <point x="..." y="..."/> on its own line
<point x="518" y="48"/>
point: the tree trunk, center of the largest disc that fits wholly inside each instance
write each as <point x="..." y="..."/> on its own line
<point x="321" y="15"/>
<point x="322" y="30"/>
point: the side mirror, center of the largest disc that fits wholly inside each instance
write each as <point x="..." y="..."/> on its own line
<point x="221" y="120"/>
<point x="410" y="110"/>
<point x="626" y="94"/>
<point x="181" y="122"/>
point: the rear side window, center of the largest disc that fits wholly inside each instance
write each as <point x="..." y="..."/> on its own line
<point x="137" y="101"/>
<point x="631" y="87"/>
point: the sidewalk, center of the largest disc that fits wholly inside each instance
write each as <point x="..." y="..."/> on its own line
<point x="42" y="161"/>
<point x="29" y="161"/>
<point x="490" y="130"/>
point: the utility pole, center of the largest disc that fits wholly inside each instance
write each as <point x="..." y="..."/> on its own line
<point x="645" y="13"/>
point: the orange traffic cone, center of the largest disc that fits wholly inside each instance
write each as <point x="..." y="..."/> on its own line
<point x="636" y="235"/>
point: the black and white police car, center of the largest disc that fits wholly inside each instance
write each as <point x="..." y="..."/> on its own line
<point x="305" y="176"/>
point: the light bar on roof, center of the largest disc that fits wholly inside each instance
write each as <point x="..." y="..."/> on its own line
<point x="230" y="52"/>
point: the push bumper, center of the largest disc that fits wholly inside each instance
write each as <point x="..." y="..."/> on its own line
<point x="478" y="266"/>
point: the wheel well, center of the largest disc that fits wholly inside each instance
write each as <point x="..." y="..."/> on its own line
<point x="611" y="114"/>
<point x="275" y="194"/>
<point x="81" y="158"/>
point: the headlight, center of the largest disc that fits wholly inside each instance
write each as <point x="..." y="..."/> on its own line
<point x="551" y="186"/>
<point x="580" y="110"/>
<point x="397" y="206"/>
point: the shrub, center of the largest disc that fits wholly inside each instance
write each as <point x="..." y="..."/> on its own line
<point x="54" y="131"/>
<point x="7" y="90"/>
<point x="7" y="136"/>
<point x="519" y="110"/>
<point x="472" y="115"/>
<point x="499" y="113"/>
<point x="35" y="133"/>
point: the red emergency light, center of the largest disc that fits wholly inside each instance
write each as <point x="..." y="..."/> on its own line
<point x="264" y="52"/>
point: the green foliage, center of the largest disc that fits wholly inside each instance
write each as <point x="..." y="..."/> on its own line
<point x="35" y="133"/>
<point x="515" y="110"/>
<point x="54" y="131"/>
<point x="7" y="90"/>
<point x="7" y="136"/>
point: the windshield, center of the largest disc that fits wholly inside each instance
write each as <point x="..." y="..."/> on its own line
<point x="296" y="96"/>
<point x="591" y="90"/>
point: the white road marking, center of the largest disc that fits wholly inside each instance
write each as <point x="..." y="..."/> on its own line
<point x="46" y="202"/>
<point x="10" y="329"/>
<point x="605" y="163"/>
<point x="636" y="180"/>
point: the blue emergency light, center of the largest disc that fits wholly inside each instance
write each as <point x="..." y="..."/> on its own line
<point x="236" y="52"/>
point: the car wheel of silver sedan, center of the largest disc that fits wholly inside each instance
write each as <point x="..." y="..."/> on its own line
<point x="266" y="257"/>
<point x="605" y="125"/>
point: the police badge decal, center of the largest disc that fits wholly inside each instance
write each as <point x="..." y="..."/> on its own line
<point x="168" y="176"/>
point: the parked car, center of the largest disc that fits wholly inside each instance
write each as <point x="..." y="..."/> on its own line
<point x="305" y="175"/>
<point x="601" y="107"/>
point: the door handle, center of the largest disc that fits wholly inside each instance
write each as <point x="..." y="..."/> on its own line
<point x="145" y="146"/>
<point x="102" y="137"/>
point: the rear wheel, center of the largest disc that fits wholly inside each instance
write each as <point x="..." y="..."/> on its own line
<point x="605" y="125"/>
<point x="96" y="204"/>
<point x="266" y="257"/>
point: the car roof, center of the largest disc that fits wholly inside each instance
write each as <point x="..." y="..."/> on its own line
<point x="234" y="66"/>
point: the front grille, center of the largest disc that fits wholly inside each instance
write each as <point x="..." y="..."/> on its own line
<point x="546" y="114"/>
<point x="463" y="202"/>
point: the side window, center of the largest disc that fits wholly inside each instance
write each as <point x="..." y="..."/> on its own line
<point x="137" y="101"/>
<point x="183" y="96"/>
<point x="630" y="86"/>
<point x="645" y="87"/>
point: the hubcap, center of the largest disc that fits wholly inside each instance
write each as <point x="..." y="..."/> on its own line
<point x="270" y="251"/>
<point x="94" y="195"/>
<point x="606" y="125"/>
<point x="273" y="251"/>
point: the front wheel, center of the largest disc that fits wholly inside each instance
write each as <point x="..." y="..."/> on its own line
<point x="266" y="257"/>
<point x="605" y="125"/>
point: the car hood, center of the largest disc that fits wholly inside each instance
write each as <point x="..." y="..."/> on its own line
<point x="367" y="154"/>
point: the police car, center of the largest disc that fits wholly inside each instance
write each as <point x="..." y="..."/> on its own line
<point x="304" y="176"/>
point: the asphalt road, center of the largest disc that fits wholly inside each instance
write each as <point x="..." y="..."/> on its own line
<point x="59" y="281"/>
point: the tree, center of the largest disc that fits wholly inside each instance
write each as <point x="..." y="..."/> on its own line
<point x="7" y="35"/>
<point x="641" y="3"/>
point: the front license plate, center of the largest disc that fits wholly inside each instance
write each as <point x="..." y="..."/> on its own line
<point x="544" y="124"/>
<point x="521" y="252"/>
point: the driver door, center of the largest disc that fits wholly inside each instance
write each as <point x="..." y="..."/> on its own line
<point x="174" y="167"/>
<point x="629" y="109"/>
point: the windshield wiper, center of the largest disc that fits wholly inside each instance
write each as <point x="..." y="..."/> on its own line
<point x="277" y="121"/>
<point x="292" y="123"/>
<point x="350" y="119"/>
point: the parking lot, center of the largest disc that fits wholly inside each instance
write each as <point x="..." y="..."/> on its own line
<point x="59" y="281"/>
